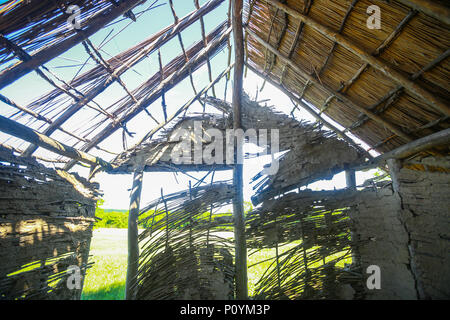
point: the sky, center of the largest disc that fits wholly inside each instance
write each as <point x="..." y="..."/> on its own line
<point x="116" y="188"/>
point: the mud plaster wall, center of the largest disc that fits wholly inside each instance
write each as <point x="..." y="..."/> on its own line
<point x="425" y="200"/>
<point x="406" y="233"/>
<point x="383" y="241"/>
<point x="46" y="221"/>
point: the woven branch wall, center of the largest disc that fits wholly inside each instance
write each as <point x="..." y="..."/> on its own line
<point x="310" y="232"/>
<point x="186" y="251"/>
<point x="46" y="225"/>
<point x="326" y="240"/>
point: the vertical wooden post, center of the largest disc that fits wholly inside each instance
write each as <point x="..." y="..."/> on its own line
<point x="238" y="202"/>
<point x="133" y="246"/>
<point x="394" y="166"/>
<point x="350" y="178"/>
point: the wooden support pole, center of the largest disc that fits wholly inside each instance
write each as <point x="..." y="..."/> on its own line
<point x="414" y="88"/>
<point x="350" y="178"/>
<point x="238" y="201"/>
<point x="133" y="245"/>
<point x="23" y="132"/>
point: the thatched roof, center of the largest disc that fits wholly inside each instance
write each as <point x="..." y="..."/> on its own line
<point x="387" y="86"/>
<point x="57" y="111"/>
<point x="322" y="52"/>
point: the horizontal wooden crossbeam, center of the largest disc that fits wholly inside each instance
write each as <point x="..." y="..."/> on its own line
<point x="23" y="132"/>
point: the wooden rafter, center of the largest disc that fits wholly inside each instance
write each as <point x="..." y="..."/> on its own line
<point x="23" y="132"/>
<point x="330" y="91"/>
<point x="170" y="32"/>
<point x="238" y="199"/>
<point x="168" y="83"/>
<point x="17" y="71"/>
<point x="373" y="61"/>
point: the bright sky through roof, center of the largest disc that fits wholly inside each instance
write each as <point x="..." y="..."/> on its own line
<point x="116" y="187"/>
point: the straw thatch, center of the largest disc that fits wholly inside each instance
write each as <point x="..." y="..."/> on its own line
<point x="388" y="86"/>
<point x="319" y="58"/>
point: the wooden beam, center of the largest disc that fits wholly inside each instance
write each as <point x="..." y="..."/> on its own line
<point x="350" y="179"/>
<point x="430" y="8"/>
<point x="170" y="32"/>
<point x="24" y="109"/>
<point x="23" y="132"/>
<point x="157" y="93"/>
<point x="330" y="91"/>
<point x="376" y="63"/>
<point x="441" y="138"/>
<point x="238" y="200"/>
<point x="312" y="112"/>
<point x="18" y="70"/>
<point x="133" y="244"/>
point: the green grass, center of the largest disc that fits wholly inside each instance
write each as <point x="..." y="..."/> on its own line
<point x="106" y="279"/>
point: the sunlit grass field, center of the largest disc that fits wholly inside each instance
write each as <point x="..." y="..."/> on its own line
<point x="106" y="279"/>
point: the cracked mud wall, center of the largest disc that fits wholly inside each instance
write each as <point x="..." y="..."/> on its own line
<point x="405" y="230"/>
<point x="382" y="241"/>
<point x="425" y="202"/>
